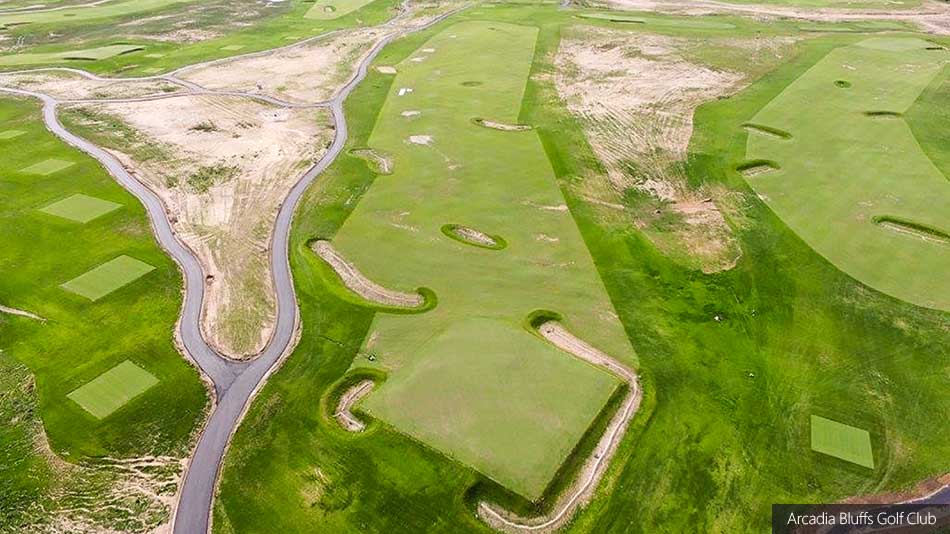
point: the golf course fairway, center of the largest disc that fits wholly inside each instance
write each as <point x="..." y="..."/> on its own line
<point x="468" y="377"/>
<point x="852" y="180"/>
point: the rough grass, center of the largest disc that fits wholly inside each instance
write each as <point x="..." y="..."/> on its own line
<point x="840" y="170"/>
<point x="81" y="339"/>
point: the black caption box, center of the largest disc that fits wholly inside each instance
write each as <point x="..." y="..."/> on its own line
<point x="860" y="518"/>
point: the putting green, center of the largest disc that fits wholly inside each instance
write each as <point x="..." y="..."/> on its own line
<point x="473" y="350"/>
<point x="841" y="441"/>
<point x="80" y="14"/>
<point x="333" y="9"/>
<point x="47" y="167"/>
<point x="108" y="277"/>
<point x="81" y="208"/>
<point x="852" y="164"/>
<point x="10" y="134"/>
<point x="89" y="54"/>
<point x="112" y="389"/>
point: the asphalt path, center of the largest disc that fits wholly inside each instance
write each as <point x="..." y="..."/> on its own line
<point x="235" y="382"/>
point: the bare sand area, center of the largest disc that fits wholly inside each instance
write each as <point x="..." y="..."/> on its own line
<point x="69" y="85"/>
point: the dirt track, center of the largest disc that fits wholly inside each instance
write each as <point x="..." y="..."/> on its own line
<point x="349" y="398"/>
<point x="357" y="282"/>
<point x="581" y="491"/>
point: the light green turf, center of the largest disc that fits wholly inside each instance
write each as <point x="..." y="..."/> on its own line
<point x="112" y="389"/>
<point x="88" y="54"/>
<point x="80" y="208"/>
<point x="689" y="23"/>
<point x="232" y="48"/>
<point x="81" y="14"/>
<point x="334" y="9"/>
<point x="842" y="168"/>
<point x="500" y="183"/>
<point x="47" y="167"/>
<point x="10" y="134"/>
<point x="459" y="396"/>
<point x="841" y="441"/>
<point x="108" y="277"/>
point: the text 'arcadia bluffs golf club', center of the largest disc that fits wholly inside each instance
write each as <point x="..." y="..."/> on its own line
<point x="474" y="267"/>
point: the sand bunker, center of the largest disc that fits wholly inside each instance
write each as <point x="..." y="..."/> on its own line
<point x="766" y="130"/>
<point x="356" y="282"/>
<point x="349" y="398"/>
<point x="502" y="126"/>
<point x="420" y="139"/>
<point x="471" y="236"/>
<point x="21" y="313"/>
<point x="222" y="166"/>
<point x="582" y="489"/>
<point x="913" y="228"/>
<point x="302" y="74"/>
<point x="756" y="168"/>
<point x="636" y="98"/>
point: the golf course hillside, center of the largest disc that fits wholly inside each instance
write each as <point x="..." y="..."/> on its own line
<point x="850" y="177"/>
<point x="472" y="267"/>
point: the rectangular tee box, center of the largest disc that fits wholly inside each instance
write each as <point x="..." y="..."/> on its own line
<point x="108" y="277"/>
<point x="80" y="208"/>
<point x="841" y="441"/>
<point x="47" y="167"/>
<point x="113" y="389"/>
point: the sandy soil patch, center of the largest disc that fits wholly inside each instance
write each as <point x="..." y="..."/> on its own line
<point x="358" y="283"/>
<point x="636" y="99"/>
<point x="580" y="492"/>
<point x="380" y="163"/>
<point x="349" y="398"/>
<point x="65" y="85"/>
<point x="503" y="126"/>
<point x="303" y="74"/>
<point x="410" y="113"/>
<point x="386" y="69"/>
<point x="222" y="166"/>
<point x="21" y="313"/>
<point x="420" y="139"/>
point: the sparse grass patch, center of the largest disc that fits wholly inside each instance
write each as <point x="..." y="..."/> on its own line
<point x="204" y="177"/>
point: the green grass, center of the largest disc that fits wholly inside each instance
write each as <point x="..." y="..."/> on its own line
<point x="928" y="117"/>
<point x="47" y="167"/>
<point x="113" y="389"/>
<point x="108" y="277"/>
<point x="841" y="441"/>
<point x="844" y="166"/>
<point x="706" y="23"/>
<point x="68" y="57"/>
<point x="82" y="14"/>
<point x="334" y="9"/>
<point x="81" y="339"/>
<point x="10" y="134"/>
<point x="497" y="182"/>
<point x="712" y="447"/>
<point x="81" y="208"/>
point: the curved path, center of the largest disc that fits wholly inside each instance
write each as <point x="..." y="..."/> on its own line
<point x="235" y="383"/>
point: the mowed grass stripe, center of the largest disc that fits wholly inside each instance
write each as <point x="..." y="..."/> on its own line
<point x="47" y="167"/>
<point x="86" y="54"/>
<point x="108" y="277"/>
<point x="81" y="208"/>
<point x="843" y="167"/>
<point x="10" y="134"/>
<point x="113" y="389"/>
<point x="841" y="441"/>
